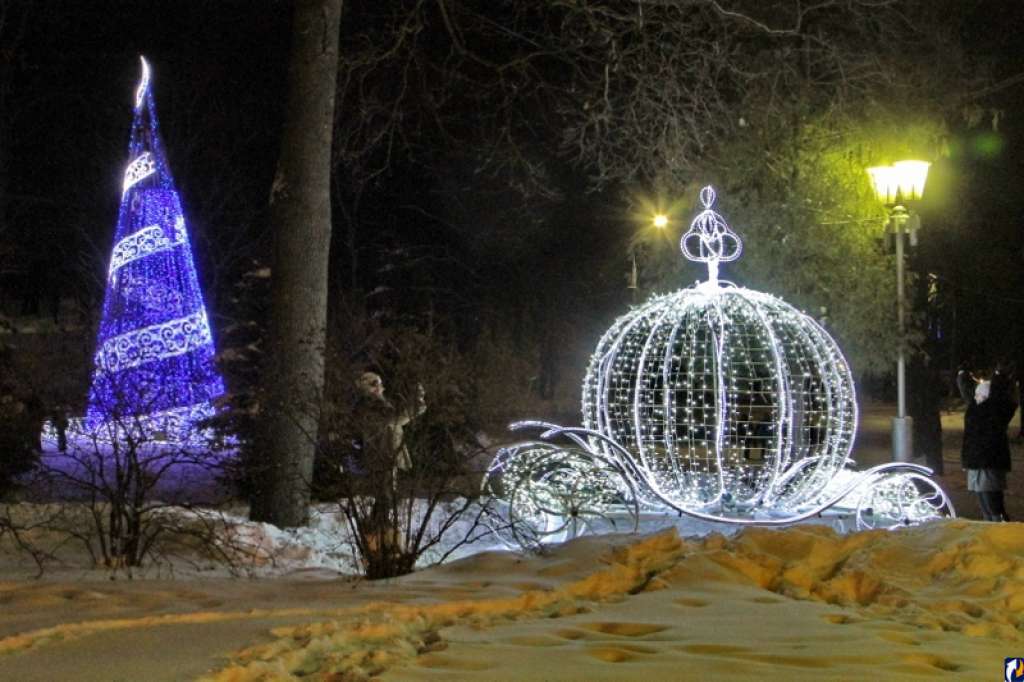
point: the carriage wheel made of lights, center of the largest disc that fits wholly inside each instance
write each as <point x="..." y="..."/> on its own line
<point x="900" y="499"/>
<point x="548" y="493"/>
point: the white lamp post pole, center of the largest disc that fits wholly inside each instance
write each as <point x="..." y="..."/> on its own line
<point x="902" y="425"/>
<point x="902" y="181"/>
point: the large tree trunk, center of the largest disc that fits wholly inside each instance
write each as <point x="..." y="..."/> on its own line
<point x="300" y="213"/>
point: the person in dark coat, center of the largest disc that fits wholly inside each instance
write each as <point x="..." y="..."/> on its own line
<point x="382" y="439"/>
<point x="985" y="455"/>
<point x="381" y="457"/>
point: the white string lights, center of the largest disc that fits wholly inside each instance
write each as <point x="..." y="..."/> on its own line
<point x="718" y="392"/>
<point x="139" y="169"/>
<point x="716" y="401"/>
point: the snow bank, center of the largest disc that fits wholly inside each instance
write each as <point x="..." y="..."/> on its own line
<point x="381" y="636"/>
<point x="953" y="577"/>
<point x="956" y="575"/>
<point x="805" y="602"/>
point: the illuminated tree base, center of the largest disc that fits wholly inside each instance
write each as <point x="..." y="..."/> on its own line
<point x="547" y="491"/>
<point x="176" y="427"/>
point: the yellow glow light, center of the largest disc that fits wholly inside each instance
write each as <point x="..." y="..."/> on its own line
<point x="902" y="181"/>
<point x="660" y="220"/>
<point x="911" y="176"/>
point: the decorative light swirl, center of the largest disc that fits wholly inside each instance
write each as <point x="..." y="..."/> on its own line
<point x="901" y="499"/>
<point x="147" y="241"/>
<point x="139" y="169"/>
<point x="155" y="342"/>
<point x="710" y="239"/>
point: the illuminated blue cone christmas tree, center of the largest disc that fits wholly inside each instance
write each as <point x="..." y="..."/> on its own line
<point x="154" y="367"/>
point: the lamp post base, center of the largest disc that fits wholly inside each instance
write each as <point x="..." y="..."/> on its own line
<point x="902" y="439"/>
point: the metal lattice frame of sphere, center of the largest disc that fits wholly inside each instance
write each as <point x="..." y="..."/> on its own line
<point x="718" y="392"/>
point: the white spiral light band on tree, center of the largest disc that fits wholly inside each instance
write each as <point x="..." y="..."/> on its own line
<point x="138" y="170"/>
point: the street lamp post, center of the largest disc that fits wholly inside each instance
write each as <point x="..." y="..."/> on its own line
<point x="659" y="221"/>
<point x="901" y="182"/>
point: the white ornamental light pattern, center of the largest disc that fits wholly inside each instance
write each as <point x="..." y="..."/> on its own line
<point x="145" y="242"/>
<point x="141" y="168"/>
<point x="715" y="401"/>
<point x="176" y="424"/>
<point x="155" y="342"/>
<point x="140" y="91"/>
<point x="709" y="239"/>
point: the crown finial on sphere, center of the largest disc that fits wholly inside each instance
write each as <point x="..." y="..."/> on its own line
<point x="710" y="239"/>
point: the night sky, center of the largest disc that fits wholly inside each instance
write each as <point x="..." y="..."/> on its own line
<point x="982" y="258"/>
<point x="219" y="72"/>
<point x="220" y="82"/>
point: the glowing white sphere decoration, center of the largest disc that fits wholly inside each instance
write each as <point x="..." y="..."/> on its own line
<point x="729" y="399"/>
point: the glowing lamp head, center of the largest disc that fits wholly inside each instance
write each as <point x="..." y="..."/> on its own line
<point x="911" y="176"/>
<point x="660" y="221"/>
<point x="902" y="181"/>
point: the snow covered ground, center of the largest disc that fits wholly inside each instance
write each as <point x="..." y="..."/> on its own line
<point x="802" y="603"/>
<point x="689" y="602"/>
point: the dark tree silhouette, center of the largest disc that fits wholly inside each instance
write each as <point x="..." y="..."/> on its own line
<point x="300" y="215"/>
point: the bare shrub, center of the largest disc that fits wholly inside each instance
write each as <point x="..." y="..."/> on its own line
<point x="133" y="486"/>
<point x="404" y="466"/>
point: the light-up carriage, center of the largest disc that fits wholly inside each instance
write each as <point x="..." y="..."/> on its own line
<point x="718" y="402"/>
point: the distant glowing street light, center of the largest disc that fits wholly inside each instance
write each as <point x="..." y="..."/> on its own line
<point x="894" y="185"/>
<point x="659" y="221"/>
